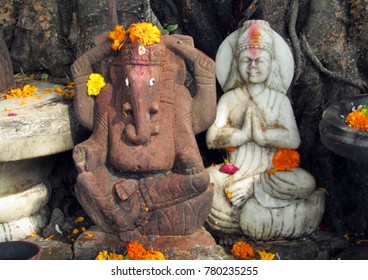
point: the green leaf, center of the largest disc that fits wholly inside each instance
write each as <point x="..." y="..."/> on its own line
<point x="171" y="27"/>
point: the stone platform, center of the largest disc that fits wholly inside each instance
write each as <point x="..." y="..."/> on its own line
<point x="197" y="246"/>
<point x="201" y="246"/>
<point x="33" y="131"/>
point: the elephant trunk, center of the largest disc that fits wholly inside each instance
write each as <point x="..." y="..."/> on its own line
<point x="139" y="132"/>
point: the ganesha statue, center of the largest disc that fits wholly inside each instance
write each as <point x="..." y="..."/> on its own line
<point x="260" y="192"/>
<point x="141" y="173"/>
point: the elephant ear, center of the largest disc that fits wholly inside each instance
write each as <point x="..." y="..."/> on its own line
<point x="180" y="61"/>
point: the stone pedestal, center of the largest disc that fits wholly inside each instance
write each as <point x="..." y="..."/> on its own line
<point x="340" y="138"/>
<point x="33" y="131"/>
<point x="197" y="246"/>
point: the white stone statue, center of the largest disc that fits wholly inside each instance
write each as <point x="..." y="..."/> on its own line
<point x="255" y="118"/>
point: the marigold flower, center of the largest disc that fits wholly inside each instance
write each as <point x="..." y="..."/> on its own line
<point x="135" y="250"/>
<point x="27" y="92"/>
<point x="358" y="119"/>
<point x="78" y="219"/>
<point x="118" y="37"/>
<point x="266" y="256"/>
<point x="154" y="255"/>
<point x="95" y="83"/>
<point x="242" y="250"/>
<point x="285" y="159"/>
<point x="145" y="32"/>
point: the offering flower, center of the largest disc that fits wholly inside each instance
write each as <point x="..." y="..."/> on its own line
<point x="285" y="159"/>
<point x="242" y="250"/>
<point x="227" y="167"/>
<point x="95" y="83"/>
<point x="145" y="32"/>
<point x="358" y="118"/>
<point x="118" y="37"/>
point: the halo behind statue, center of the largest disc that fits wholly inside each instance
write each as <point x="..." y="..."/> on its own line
<point x="227" y="51"/>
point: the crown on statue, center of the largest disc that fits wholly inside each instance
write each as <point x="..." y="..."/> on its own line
<point x="258" y="34"/>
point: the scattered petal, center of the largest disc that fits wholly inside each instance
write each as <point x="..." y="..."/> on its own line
<point x="50" y="237"/>
<point x="12" y="114"/>
<point x="75" y="231"/>
<point x="266" y="256"/>
<point x="79" y="219"/>
<point x="90" y="234"/>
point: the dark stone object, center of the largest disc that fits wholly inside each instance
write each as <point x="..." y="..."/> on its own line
<point x="339" y="137"/>
<point x="19" y="250"/>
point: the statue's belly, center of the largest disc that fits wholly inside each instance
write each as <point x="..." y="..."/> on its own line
<point x="155" y="156"/>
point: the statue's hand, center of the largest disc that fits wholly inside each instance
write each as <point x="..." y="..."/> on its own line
<point x="240" y="191"/>
<point x="85" y="159"/>
<point x="258" y="127"/>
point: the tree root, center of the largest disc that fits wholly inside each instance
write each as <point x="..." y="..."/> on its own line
<point x="298" y="56"/>
<point x="358" y="83"/>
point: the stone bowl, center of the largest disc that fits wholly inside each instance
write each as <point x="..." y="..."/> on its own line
<point x="340" y="138"/>
<point x="19" y="250"/>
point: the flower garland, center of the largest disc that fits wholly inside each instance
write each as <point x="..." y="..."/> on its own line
<point x="285" y="159"/>
<point x="145" y="32"/>
<point x="134" y="251"/>
<point x="358" y="118"/>
<point x="241" y="250"/>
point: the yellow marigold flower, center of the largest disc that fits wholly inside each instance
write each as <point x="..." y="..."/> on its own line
<point x="102" y="255"/>
<point x="242" y="250"/>
<point x="285" y="159"/>
<point x="147" y="33"/>
<point x="154" y="255"/>
<point x="79" y="219"/>
<point x="95" y="83"/>
<point x="118" y="37"/>
<point x="266" y="256"/>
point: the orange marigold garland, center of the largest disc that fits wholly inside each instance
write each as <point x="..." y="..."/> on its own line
<point x="136" y="251"/>
<point x="242" y="250"/>
<point x="145" y="32"/>
<point x="358" y="118"/>
<point x="118" y="37"/>
<point x="285" y="159"/>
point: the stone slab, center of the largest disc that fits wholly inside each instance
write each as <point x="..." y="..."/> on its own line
<point x="40" y="127"/>
<point x="197" y="246"/>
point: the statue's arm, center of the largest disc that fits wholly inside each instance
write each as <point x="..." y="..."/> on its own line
<point x="204" y="100"/>
<point x="92" y="153"/>
<point x="81" y="69"/>
<point x="222" y="133"/>
<point x="284" y="135"/>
